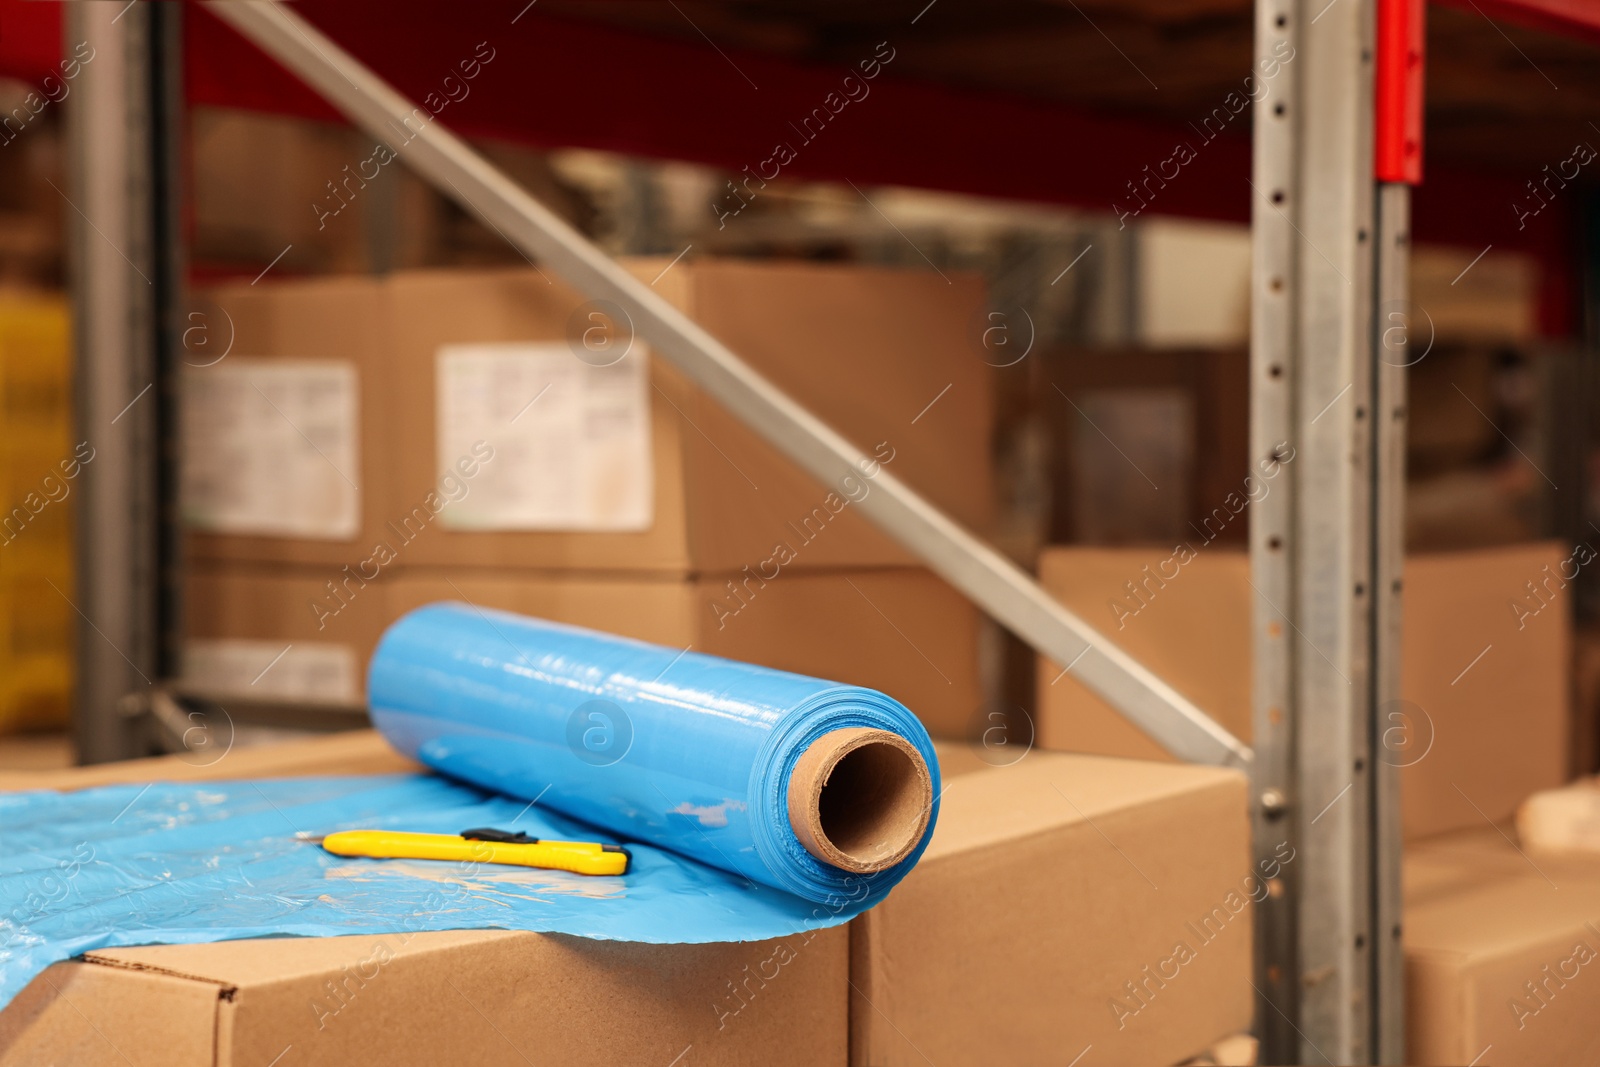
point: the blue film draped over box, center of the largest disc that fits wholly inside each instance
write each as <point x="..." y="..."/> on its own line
<point x="549" y="729"/>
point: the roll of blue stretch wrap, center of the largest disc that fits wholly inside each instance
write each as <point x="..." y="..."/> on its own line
<point x="682" y="750"/>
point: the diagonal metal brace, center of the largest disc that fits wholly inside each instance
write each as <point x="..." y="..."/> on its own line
<point x="993" y="582"/>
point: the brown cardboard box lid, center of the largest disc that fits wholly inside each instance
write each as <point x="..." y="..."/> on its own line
<point x="1505" y="916"/>
<point x="1046" y="791"/>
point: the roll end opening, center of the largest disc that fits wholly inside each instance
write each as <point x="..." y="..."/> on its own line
<point x="860" y="799"/>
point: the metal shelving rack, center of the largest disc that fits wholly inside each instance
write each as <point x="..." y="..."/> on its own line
<point x="1329" y="246"/>
<point x="1329" y="254"/>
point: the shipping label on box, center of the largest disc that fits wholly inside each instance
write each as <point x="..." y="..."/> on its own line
<point x="272" y="447"/>
<point x="571" y="438"/>
<point x="304" y="670"/>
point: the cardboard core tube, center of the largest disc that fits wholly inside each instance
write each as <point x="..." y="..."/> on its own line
<point x="860" y="799"/>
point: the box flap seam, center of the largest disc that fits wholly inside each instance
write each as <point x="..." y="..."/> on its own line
<point x="225" y="990"/>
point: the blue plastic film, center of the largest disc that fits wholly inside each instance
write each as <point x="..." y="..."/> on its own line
<point x="558" y="732"/>
<point x="181" y="863"/>
<point x="685" y="751"/>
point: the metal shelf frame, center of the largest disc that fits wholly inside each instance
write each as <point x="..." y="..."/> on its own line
<point x="1329" y="246"/>
<point x="1329" y="256"/>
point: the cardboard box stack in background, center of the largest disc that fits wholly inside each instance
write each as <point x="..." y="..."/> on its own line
<point x="255" y="617"/>
<point x="1483" y="717"/>
<point x="284" y="408"/>
<point x="366" y="447"/>
<point x="284" y="452"/>
<point x="865" y="349"/>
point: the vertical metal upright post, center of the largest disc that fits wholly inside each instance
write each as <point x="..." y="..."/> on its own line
<point x="169" y="263"/>
<point x="120" y="135"/>
<point x="1397" y="165"/>
<point x="1393" y="733"/>
<point x="1325" y="543"/>
<point x="1274" y="283"/>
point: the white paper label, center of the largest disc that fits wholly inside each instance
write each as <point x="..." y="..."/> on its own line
<point x="304" y="670"/>
<point x="272" y="447"/>
<point x="571" y="440"/>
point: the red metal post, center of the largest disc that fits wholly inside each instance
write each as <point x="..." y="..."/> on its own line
<point x="1398" y="155"/>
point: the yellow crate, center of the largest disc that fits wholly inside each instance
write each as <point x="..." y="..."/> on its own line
<point x="37" y="620"/>
<point x="38" y="627"/>
<point x="36" y="694"/>
<point x="35" y="360"/>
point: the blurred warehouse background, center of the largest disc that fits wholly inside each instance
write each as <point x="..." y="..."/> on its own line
<point x="1039" y="316"/>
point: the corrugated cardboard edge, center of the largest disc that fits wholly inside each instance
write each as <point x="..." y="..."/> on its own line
<point x="80" y="1011"/>
<point x="1436" y="1008"/>
<point x="225" y="990"/>
<point x="871" y="986"/>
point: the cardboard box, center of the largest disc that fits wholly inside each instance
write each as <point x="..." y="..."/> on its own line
<point x="1194" y="633"/>
<point x="1499" y="950"/>
<point x="1497" y="301"/>
<point x="265" y="181"/>
<point x="285" y="438"/>
<point x="1180" y="421"/>
<point x="885" y="357"/>
<point x="1492" y="729"/>
<point x="1586" y="700"/>
<point x="351" y="752"/>
<point x="901" y="630"/>
<point x="309" y="632"/>
<point x="483" y="997"/>
<point x="1066" y="902"/>
<point x="300" y="632"/>
<point x="1193" y="281"/>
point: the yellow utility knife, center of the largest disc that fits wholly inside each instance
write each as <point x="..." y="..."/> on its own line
<point x="482" y="846"/>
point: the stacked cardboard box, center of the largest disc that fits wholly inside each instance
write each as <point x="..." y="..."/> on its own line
<point x="284" y="454"/>
<point x="1143" y="871"/>
<point x="1499" y="945"/>
<point x="322" y="196"/>
<point x="1485" y="651"/>
<point x="366" y="447"/>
